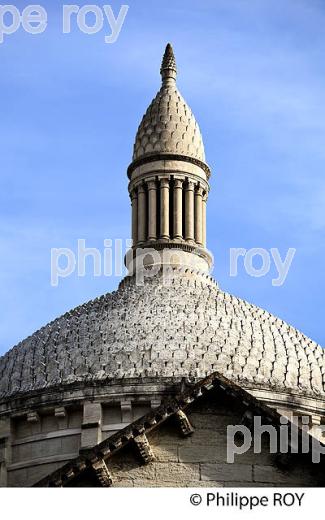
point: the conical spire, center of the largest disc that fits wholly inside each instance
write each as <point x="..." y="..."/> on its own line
<point x="168" y="68"/>
<point x="169" y="182"/>
<point x="168" y="126"/>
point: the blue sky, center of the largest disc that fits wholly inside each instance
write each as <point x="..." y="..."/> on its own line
<point x="253" y="73"/>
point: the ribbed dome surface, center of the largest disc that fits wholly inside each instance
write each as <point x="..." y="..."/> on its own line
<point x="169" y="126"/>
<point x="188" y="327"/>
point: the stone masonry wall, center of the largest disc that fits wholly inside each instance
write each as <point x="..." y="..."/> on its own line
<point x="200" y="460"/>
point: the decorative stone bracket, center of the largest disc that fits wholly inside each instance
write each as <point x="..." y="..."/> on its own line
<point x="184" y="423"/>
<point x="144" y="448"/>
<point x="102" y="473"/>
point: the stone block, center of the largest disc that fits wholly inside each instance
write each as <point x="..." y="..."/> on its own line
<point x="92" y="413"/>
<point x="177" y="472"/>
<point x="4" y="428"/>
<point x="35" y="473"/>
<point x="123" y="482"/>
<point x="165" y="453"/>
<point x="70" y="444"/>
<point x="269" y="474"/>
<point x="209" y="437"/>
<point x="74" y="418"/>
<point x="213" y="422"/>
<point x="131" y="470"/>
<point x="91" y="430"/>
<point x="272" y="475"/>
<point x="22" y="452"/>
<point x="46" y="448"/>
<point x="22" y="428"/>
<point x="201" y="454"/>
<point x="17" y="478"/>
<point x="49" y="423"/>
<point x="206" y="484"/>
<point x="169" y="434"/>
<point x="227" y="472"/>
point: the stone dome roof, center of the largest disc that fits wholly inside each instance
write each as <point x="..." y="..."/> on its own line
<point x="188" y="327"/>
<point x="168" y="126"/>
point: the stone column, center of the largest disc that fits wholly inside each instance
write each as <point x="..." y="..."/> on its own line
<point x="134" y="203"/>
<point x="189" y="211"/>
<point x="152" y="213"/>
<point x="204" y="219"/>
<point x="164" y="208"/>
<point x="142" y="213"/>
<point x="198" y="204"/>
<point x="178" y="210"/>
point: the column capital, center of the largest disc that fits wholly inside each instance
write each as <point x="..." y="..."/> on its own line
<point x="133" y="193"/>
<point x="141" y="188"/>
<point x="152" y="184"/>
<point x="190" y="185"/>
<point x="164" y="182"/>
<point x="178" y="183"/>
<point x="199" y="191"/>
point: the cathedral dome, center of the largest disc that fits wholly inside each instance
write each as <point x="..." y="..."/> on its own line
<point x="168" y="126"/>
<point x="187" y="327"/>
<point x="107" y="362"/>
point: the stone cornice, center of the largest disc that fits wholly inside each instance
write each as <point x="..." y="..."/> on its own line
<point x="167" y="157"/>
<point x="97" y="456"/>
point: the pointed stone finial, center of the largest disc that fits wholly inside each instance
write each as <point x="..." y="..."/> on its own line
<point x="168" y="68"/>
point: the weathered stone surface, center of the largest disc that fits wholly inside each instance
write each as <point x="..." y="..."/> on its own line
<point x="168" y="125"/>
<point x="184" y="423"/>
<point x="205" y="484"/>
<point x="271" y="475"/>
<point x="130" y="470"/>
<point x="123" y="482"/>
<point x="144" y="448"/>
<point x="209" y="437"/>
<point x="165" y="453"/>
<point x="191" y="314"/>
<point x="191" y="464"/>
<point x="176" y="472"/>
<point x="201" y="453"/>
<point x="117" y="347"/>
<point x="227" y="472"/>
<point x="27" y="476"/>
<point x="102" y="473"/>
